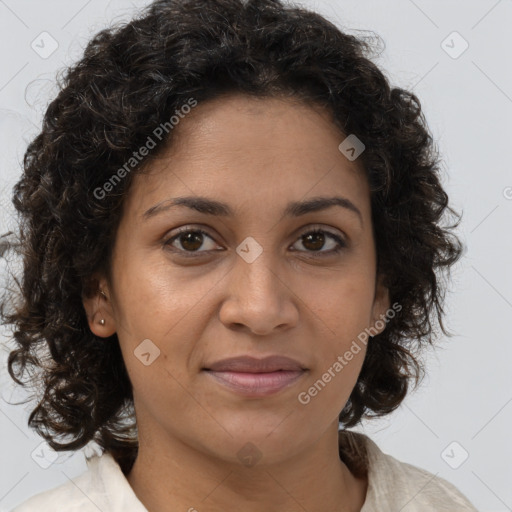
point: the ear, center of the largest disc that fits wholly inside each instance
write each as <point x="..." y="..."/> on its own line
<point x="98" y="307"/>
<point x="381" y="305"/>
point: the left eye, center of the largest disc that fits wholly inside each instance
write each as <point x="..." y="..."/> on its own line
<point x="316" y="240"/>
<point x="191" y="240"/>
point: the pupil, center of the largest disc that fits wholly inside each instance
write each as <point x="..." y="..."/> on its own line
<point x="190" y="238"/>
<point x="319" y="237"/>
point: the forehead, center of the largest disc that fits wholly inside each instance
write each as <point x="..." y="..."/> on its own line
<point x="251" y="149"/>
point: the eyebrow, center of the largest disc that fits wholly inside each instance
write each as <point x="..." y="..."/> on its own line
<point x="212" y="207"/>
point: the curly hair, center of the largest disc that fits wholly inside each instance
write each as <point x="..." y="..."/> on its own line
<point x="132" y="78"/>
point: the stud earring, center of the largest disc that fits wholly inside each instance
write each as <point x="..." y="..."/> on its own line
<point x="102" y="321"/>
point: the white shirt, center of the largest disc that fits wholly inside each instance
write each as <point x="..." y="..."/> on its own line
<point x="392" y="486"/>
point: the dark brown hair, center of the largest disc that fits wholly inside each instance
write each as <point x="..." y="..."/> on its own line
<point x="131" y="79"/>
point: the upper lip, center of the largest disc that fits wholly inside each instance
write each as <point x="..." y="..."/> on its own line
<point x="250" y="364"/>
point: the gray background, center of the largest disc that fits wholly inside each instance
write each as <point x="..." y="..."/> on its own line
<point x="467" y="99"/>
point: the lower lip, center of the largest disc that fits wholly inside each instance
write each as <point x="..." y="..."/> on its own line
<point x="257" y="384"/>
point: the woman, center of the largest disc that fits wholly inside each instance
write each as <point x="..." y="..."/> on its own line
<point x="231" y="232"/>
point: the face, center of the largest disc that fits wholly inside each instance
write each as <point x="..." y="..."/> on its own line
<point x="262" y="274"/>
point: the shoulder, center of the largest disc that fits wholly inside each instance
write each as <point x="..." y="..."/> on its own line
<point x="69" y="493"/>
<point x="406" y="487"/>
<point x="98" y="488"/>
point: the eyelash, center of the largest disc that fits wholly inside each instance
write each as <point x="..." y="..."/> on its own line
<point x="341" y="244"/>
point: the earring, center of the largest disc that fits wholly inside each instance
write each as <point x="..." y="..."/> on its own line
<point x="103" y="293"/>
<point x="102" y="321"/>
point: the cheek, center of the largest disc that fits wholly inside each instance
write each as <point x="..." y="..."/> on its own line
<point x="155" y="295"/>
<point x="327" y="391"/>
<point x="158" y="315"/>
<point x="342" y="311"/>
<point x="342" y="304"/>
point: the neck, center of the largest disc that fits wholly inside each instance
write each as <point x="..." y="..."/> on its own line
<point x="169" y="476"/>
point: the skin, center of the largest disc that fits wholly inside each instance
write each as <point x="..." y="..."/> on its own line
<point x="294" y="299"/>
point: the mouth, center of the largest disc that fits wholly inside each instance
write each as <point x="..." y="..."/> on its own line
<point x="256" y="384"/>
<point x="252" y="377"/>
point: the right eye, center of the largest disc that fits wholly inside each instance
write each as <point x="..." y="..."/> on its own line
<point x="189" y="240"/>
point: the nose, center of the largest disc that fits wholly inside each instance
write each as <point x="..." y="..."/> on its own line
<point x="259" y="297"/>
